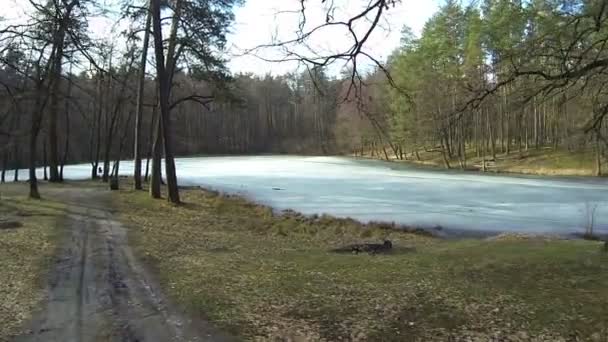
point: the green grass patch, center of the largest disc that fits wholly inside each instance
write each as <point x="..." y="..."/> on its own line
<point x="25" y="254"/>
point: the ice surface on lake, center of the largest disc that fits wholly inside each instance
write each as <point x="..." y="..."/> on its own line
<point x="379" y="191"/>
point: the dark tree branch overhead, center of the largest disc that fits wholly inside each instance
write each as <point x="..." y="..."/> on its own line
<point x="358" y="28"/>
<point x="201" y="99"/>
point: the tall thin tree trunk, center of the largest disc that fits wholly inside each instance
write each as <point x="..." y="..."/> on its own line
<point x="536" y="144"/>
<point x="140" y="101"/>
<point x="4" y="166"/>
<point x="526" y="131"/>
<point x="95" y="163"/>
<point x="502" y="129"/>
<point x="35" y="130"/>
<point x="115" y="171"/>
<point x="109" y="143"/>
<point x="54" y="103"/>
<point x="16" y="151"/>
<point x="147" y="173"/>
<point x="156" y="176"/>
<point x="508" y="134"/>
<point x="66" y="147"/>
<point x="491" y="131"/>
<point x="32" y="167"/>
<point x="444" y="152"/>
<point x="598" y="155"/>
<point x="476" y="133"/>
<point x="463" y="144"/>
<point x="151" y="137"/>
<point x="16" y="174"/>
<point x="483" y="141"/>
<point x="44" y="161"/>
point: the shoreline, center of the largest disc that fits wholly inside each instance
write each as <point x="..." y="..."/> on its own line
<point x="530" y="170"/>
<point x="437" y="232"/>
<point x="578" y="173"/>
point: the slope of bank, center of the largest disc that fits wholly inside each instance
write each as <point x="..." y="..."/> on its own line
<point x="264" y="276"/>
<point x="544" y="161"/>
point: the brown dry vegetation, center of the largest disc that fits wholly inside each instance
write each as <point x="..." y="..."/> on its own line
<point x="544" y="161"/>
<point x="25" y="254"/>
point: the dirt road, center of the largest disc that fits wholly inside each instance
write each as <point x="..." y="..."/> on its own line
<point x="98" y="291"/>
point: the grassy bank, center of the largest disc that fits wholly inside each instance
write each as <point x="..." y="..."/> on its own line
<point x="262" y="276"/>
<point x="544" y="161"/>
<point x="25" y="254"/>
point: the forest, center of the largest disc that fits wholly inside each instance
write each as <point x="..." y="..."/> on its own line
<point x="499" y="78"/>
<point x="481" y="79"/>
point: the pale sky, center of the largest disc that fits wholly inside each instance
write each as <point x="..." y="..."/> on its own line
<point x="259" y="21"/>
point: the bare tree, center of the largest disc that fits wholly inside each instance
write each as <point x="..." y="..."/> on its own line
<point x="140" y="102"/>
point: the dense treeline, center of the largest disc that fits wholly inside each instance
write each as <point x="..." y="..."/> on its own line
<point x="270" y="114"/>
<point x="482" y="79"/>
<point x="502" y="77"/>
<point x="258" y="114"/>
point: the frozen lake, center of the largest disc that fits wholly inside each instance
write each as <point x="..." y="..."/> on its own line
<point x="377" y="191"/>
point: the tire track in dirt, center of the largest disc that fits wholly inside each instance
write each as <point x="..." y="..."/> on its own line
<point x="98" y="290"/>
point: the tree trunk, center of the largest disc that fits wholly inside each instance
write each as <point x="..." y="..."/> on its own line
<point x="4" y="162"/>
<point x="66" y="147"/>
<point x="502" y="129"/>
<point x="115" y="171"/>
<point x="147" y="173"/>
<point x="443" y="141"/>
<point x="491" y="131"/>
<point x="110" y="141"/>
<point x="35" y="130"/>
<point x="444" y="153"/>
<point x="140" y="101"/>
<point x="164" y="74"/>
<point x="32" y="168"/>
<point x="483" y="140"/>
<point x="535" y="107"/>
<point x="385" y="153"/>
<point x="151" y="138"/>
<point x="598" y="156"/>
<point x="95" y="164"/>
<point x="106" y="159"/>
<point x="520" y="120"/>
<point x="476" y="134"/>
<point x="16" y="152"/>
<point x="508" y="134"/>
<point x="16" y="174"/>
<point x="54" y="104"/>
<point x="463" y="145"/>
<point x="156" y="177"/>
<point x="44" y="161"/>
<point x="526" y="131"/>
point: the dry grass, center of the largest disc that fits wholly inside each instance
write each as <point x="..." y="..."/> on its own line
<point x="551" y="162"/>
<point x="263" y="276"/>
<point x="25" y="254"/>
